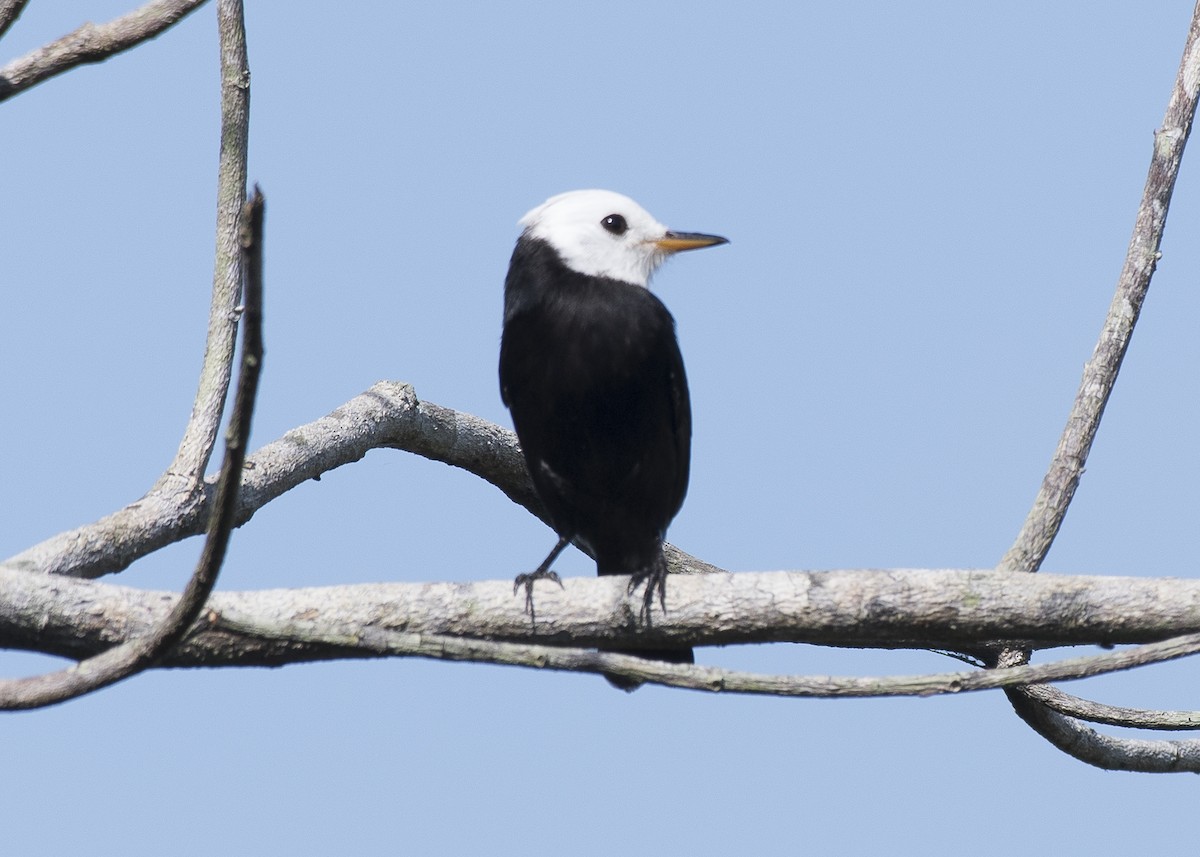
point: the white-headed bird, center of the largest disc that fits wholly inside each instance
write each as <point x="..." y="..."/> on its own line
<point x="590" y="369"/>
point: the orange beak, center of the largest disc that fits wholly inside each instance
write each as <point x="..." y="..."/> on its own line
<point x="674" y="242"/>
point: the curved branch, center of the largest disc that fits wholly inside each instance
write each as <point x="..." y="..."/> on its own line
<point x="184" y="475"/>
<point x="388" y="415"/>
<point x="1100" y="373"/>
<point x="135" y="655"/>
<point x="179" y="503"/>
<point x="1104" y="751"/>
<point x="1099" y="376"/>
<point x="1112" y="715"/>
<point x="91" y="43"/>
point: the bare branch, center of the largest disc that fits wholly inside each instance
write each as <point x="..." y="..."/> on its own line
<point x="227" y="630"/>
<point x="10" y="10"/>
<point x="924" y="608"/>
<point x="1099" y="375"/>
<point x="383" y="642"/>
<point x="91" y="43"/>
<point x="185" y="473"/>
<point x="388" y="415"/>
<point x="137" y="654"/>
<point x="179" y="503"/>
<point x="1113" y="715"/>
<point x="1103" y="751"/>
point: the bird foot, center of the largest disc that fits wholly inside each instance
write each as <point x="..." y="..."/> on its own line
<point x="655" y="579"/>
<point x="527" y="580"/>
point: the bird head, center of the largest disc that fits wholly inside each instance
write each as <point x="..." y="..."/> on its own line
<point x="606" y="234"/>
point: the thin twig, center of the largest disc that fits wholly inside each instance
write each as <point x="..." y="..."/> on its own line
<point x="91" y="43"/>
<point x="138" y="654"/>
<point x="385" y="642"/>
<point x="1100" y="374"/>
<point x="1105" y="751"/>
<point x="184" y="475"/>
<point x="1113" y="715"/>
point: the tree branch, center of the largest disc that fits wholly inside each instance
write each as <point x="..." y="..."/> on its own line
<point x="185" y="473"/>
<point x="1103" y="751"/>
<point x="925" y="608"/>
<point x="138" y="653"/>
<point x="90" y="43"/>
<point x="1113" y="715"/>
<point x="180" y="502"/>
<point x="388" y="415"/>
<point x="382" y="642"/>
<point x="1100" y="373"/>
<point x="1099" y="376"/>
<point x="227" y="634"/>
<point x="391" y="416"/>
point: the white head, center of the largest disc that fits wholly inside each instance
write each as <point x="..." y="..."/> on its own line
<point x="606" y="234"/>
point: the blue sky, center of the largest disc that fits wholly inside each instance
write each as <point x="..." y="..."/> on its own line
<point x="928" y="206"/>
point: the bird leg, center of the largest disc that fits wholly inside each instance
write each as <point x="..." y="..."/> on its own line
<point x="542" y="572"/>
<point x="655" y="578"/>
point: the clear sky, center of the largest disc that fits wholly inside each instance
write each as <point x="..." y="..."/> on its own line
<point x="928" y="205"/>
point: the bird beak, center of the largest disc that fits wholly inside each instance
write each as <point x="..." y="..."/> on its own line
<point x="673" y="242"/>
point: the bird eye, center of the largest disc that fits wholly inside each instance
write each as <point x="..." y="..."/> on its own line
<point x="615" y="224"/>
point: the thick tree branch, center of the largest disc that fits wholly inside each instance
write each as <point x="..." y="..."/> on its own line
<point x="91" y="43"/>
<point x="307" y="631"/>
<point x="1099" y="376"/>
<point x="897" y="608"/>
<point x="140" y="652"/>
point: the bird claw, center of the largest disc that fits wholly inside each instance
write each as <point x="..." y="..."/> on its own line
<point x="527" y="581"/>
<point x="655" y="579"/>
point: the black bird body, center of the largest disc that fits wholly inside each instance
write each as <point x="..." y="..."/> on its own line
<point x="591" y="370"/>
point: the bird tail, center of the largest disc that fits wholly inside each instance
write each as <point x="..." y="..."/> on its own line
<point x="653" y="571"/>
<point x="670" y="656"/>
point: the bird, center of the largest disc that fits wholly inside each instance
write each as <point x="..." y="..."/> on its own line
<point x="591" y="371"/>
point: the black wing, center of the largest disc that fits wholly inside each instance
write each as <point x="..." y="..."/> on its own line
<point x="592" y="373"/>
